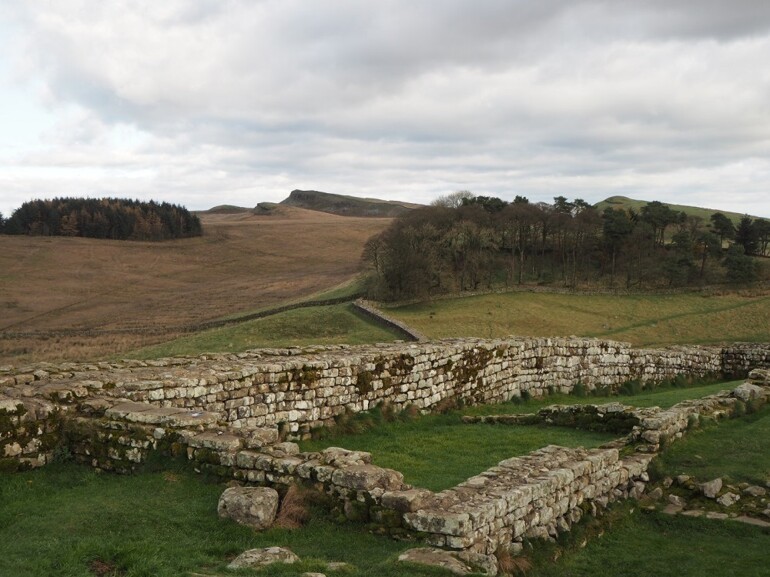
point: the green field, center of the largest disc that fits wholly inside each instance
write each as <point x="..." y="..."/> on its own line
<point x="634" y="543"/>
<point x="643" y="320"/>
<point x="323" y="325"/>
<point x="735" y="450"/>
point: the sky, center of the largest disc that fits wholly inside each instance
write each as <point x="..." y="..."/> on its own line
<point x="209" y="102"/>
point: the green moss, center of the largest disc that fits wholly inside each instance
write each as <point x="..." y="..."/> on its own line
<point x="304" y="376"/>
<point x="364" y="381"/>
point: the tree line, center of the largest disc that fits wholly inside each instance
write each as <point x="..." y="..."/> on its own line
<point x="464" y="242"/>
<point x="112" y="218"/>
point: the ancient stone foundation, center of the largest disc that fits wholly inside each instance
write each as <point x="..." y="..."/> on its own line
<point x="234" y="415"/>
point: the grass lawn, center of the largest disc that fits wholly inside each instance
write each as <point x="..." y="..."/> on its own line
<point x="69" y="521"/>
<point x="643" y="320"/>
<point x="439" y="451"/>
<point x="643" y="544"/>
<point x="736" y="450"/>
<point x="326" y="325"/>
<point x="663" y="397"/>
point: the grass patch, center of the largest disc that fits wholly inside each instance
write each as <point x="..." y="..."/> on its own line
<point x="734" y="449"/>
<point x="66" y="520"/>
<point x="439" y="451"/>
<point x="640" y="544"/>
<point x="643" y="320"/>
<point x="475" y="448"/>
<point x="663" y="397"/>
<point x="324" y="325"/>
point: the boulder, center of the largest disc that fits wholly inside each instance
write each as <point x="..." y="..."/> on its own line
<point x="712" y="488"/>
<point x="656" y="494"/>
<point x="728" y="499"/>
<point x="755" y="491"/>
<point x="760" y="377"/>
<point x="263" y="557"/>
<point x="252" y="506"/>
<point x="747" y="392"/>
<point x="677" y="501"/>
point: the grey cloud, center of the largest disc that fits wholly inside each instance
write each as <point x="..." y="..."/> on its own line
<point x="416" y="98"/>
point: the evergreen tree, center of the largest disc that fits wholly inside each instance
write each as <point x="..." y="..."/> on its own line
<point x="747" y="236"/>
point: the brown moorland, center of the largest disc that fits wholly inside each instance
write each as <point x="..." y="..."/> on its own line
<point x="77" y="298"/>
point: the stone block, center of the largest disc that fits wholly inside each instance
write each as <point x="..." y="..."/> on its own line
<point x="367" y="477"/>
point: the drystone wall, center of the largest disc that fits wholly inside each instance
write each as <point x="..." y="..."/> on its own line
<point x="296" y="390"/>
<point x="231" y="415"/>
<point x="533" y="496"/>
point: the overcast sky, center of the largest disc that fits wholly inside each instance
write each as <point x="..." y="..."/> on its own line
<point x="208" y="102"/>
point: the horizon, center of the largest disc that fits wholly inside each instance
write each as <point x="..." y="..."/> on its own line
<point x="203" y="104"/>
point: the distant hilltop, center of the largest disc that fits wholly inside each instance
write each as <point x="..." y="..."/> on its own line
<point x="625" y="203"/>
<point x="346" y="205"/>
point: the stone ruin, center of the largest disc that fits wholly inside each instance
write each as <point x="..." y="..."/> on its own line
<point x="235" y="415"/>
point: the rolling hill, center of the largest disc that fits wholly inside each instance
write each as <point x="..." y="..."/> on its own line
<point x="78" y="298"/>
<point x="346" y="205"/>
<point x="630" y="203"/>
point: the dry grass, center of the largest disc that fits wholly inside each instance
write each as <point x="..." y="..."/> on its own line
<point x="151" y="290"/>
<point x="643" y="320"/>
<point x="294" y="511"/>
<point x="508" y="564"/>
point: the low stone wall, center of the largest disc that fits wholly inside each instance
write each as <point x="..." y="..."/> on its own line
<point x="88" y="411"/>
<point x="530" y="496"/>
<point x="296" y="390"/>
<point x="533" y="496"/>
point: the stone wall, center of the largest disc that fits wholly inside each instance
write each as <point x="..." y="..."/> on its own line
<point x="300" y="392"/>
<point x="533" y="496"/>
<point x="296" y="390"/>
<point x="230" y="414"/>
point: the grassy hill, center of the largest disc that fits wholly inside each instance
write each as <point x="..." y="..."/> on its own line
<point x="68" y="298"/>
<point x="346" y="205"/>
<point x="623" y="202"/>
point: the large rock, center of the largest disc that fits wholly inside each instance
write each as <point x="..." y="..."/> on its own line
<point x="760" y="377"/>
<point x="728" y="499"/>
<point x="747" y="392"/>
<point x="263" y="557"/>
<point x="712" y="488"/>
<point x="252" y="506"/>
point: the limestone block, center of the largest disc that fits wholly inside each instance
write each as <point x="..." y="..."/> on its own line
<point x="255" y="507"/>
<point x="436" y="558"/>
<point x="339" y="457"/>
<point x="263" y="557"/>
<point x="728" y="499"/>
<point x="261" y="437"/>
<point x="407" y="500"/>
<point x="747" y="392"/>
<point x="367" y="477"/>
<point x="712" y="488"/>
<point x="216" y="440"/>
<point x="441" y="522"/>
